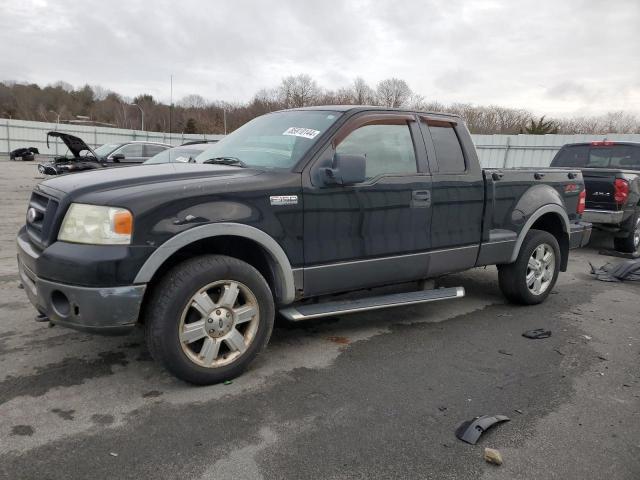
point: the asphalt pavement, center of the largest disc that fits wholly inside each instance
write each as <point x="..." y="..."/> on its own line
<point x="371" y="395"/>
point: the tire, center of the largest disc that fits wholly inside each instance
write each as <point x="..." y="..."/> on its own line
<point x="515" y="278"/>
<point x="630" y="243"/>
<point x="208" y="318"/>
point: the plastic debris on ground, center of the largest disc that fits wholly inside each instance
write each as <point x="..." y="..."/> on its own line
<point x="470" y="430"/>
<point x="627" y="271"/>
<point x="537" y="334"/>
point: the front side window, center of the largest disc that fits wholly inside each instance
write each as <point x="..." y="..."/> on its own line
<point x="448" y="150"/>
<point x="131" y="151"/>
<point x="388" y="148"/>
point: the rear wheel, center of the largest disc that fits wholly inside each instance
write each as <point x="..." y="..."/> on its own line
<point x="630" y="243"/>
<point x="208" y="318"/>
<point x="530" y="279"/>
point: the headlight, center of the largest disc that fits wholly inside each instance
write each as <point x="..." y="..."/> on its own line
<point x="96" y="225"/>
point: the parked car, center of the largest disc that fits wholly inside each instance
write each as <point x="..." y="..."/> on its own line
<point x="26" y="154"/>
<point x="184" y="153"/>
<point x="281" y="214"/>
<point x="84" y="157"/>
<point x="611" y="172"/>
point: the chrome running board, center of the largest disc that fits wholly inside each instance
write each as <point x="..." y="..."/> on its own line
<point x="324" y="309"/>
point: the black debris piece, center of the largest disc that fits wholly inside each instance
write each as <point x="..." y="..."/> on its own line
<point x="537" y="334"/>
<point x="626" y="271"/>
<point x="471" y="430"/>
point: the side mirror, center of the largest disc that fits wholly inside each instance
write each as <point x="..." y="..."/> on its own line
<point x="117" y="157"/>
<point x="346" y="169"/>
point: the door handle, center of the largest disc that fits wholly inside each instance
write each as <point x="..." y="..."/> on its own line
<point x="497" y="175"/>
<point x="538" y="175"/>
<point x="421" y="198"/>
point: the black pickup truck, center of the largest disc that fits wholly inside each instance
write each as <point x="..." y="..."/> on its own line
<point x="611" y="172"/>
<point x="287" y="211"/>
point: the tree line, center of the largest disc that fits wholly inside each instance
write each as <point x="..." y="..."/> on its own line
<point x="194" y="114"/>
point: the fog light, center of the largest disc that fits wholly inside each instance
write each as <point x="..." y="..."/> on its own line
<point x="60" y="303"/>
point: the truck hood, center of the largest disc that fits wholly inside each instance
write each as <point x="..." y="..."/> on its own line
<point x="119" y="177"/>
<point x="73" y="143"/>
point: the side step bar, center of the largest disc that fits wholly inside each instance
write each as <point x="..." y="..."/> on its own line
<point x="325" y="309"/>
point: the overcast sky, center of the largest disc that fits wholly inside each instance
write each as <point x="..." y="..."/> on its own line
<point x="559" y="57"/>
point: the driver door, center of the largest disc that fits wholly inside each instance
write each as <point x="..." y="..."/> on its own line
<point x="375" y="232"/>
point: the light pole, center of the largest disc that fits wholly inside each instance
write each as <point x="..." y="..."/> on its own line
<point x="141" y="113"/>
<point x="58" y="116"/>
<point x="224" y="116"/>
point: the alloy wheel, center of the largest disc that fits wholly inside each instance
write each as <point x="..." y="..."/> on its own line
<point x="219" y="323"/>
<point x="540" y="269"/>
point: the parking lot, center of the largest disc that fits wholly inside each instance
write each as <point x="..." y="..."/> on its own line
<point x="371" y="395"/>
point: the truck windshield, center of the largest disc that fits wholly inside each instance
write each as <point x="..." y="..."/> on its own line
<point x="609" y="156"/>
<point x="273" y="141"/>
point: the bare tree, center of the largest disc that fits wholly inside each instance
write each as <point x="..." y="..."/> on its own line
<point x="193" y="101"/>
<point x="393" y="92"/>
<point x="362" y="93"/>
<point x="32" y="102"/>
<point x="298" y="91"/>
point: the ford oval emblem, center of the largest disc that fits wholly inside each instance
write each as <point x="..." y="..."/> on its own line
<point x="33" y="215"/>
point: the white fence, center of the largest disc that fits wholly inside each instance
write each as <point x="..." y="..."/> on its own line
<point x="509" y="151"/>
<point x="503" y="151"/>
<point x="21" y="133"/>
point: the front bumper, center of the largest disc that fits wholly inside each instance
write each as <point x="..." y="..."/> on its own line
<point x="604" y="217"/>
<point x="580" y="234"/>
<point x="105" y="310"/>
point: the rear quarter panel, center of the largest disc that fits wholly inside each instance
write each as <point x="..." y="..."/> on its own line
<point x="518" y="194"/>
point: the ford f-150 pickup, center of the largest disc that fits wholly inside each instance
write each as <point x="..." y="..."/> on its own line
<point x="282" y="214"/>
<point x="611" y="172"/>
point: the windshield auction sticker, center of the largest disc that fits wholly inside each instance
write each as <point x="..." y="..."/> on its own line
<point x="301" y="132"/>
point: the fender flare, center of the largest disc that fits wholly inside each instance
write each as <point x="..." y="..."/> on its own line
<point x="282" y="266"/>
<point x="549" y="208"/>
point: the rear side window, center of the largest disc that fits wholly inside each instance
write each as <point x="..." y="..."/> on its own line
<point x="151" y="150"/>
<point x="448" y="149"/>
<point x="388" y="148"/>
<point x="587" y="156"/>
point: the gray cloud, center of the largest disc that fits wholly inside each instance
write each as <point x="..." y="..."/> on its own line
<point x="548" y="56"/>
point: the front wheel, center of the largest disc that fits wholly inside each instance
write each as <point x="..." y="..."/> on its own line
<point x="208" y="318"/>
<point x="530" y="279"/>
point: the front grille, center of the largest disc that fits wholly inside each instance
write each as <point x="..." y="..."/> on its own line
<point x="40" y="230"/>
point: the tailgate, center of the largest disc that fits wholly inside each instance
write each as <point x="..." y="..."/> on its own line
<point x="600" y="190"/>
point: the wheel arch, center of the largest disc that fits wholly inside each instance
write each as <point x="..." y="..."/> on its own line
<point x="237" y="240"/>
<point x="550" y="218"/>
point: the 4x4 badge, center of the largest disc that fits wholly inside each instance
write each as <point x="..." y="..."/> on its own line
<point x="283" y="199"/>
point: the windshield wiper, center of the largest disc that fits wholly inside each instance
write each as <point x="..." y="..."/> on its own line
<point x="236" y="162"/>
